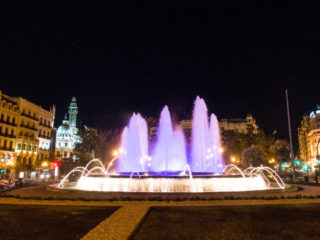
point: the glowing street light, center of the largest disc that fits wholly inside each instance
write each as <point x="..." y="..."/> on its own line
<point x="272" y="161"/>
<point x="115" y="153"/>
<point x="221" y="150"/>
<point x="233" y="159"/>
<point x="44" y="164"/>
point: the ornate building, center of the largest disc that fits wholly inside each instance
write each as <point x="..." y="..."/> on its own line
<point x="66" y="136"/>
<point x="9" y="115"/>
<point x="234" y="124"/>
<point x="239" y="124"/>
<point x="46" y="134"/>
<point x="309" y="138"/>
<point x="20" y="127"/>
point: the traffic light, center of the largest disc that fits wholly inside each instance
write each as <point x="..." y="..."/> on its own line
<point x="283" y="165"/>
<point x="1" y="170"/>
<point x="297" y="162"/>
<point x="306" y="167"/>
<point x="56" y="163"/>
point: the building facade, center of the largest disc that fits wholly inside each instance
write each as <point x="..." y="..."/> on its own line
<point x="46" y="134"/>
<point x="309" y="139"/>
<point x="9" y="115"/>
<point x="239" y="124"/>
<point x="66" y="135"/>
<point x="235" y="124"/>
<point x="20" y="126"/>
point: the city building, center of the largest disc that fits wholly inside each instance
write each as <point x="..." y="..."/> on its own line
<point x="235" y="124"/>
<point x="20" y="134"/>
<point x="46" y="135"/>
<point x="309" y="139"/>
<point x="239" y="124"/>
<point x="9" y="115"/>
<point x="66" y="135"/>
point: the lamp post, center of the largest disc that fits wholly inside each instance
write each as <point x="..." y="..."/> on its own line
<point x="290" y="138"/>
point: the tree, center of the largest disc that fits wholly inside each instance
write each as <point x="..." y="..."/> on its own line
<point x="96" y="145"/>
<point x="152" y="122"/>
<point x="67" y="165"/>
<point x="107" y="142"/>
<point x="85" y="150"/>
<point x="152" y="127"/>
<point x="252" y="157"/>
<point x="231" y="144"/>
<point x="280" y="150"/>
<point x="234" y="143"/>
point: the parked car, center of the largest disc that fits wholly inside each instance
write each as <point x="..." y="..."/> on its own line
<point x="6" y="184"/>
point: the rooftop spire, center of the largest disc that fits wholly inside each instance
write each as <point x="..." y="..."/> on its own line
<point x="73" y="111"/>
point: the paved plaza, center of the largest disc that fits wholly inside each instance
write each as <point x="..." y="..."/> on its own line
<point x="129" y="216"/>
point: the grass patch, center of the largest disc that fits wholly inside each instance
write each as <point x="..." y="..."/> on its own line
<point x="232" y="222"/>
<point x="49" y="222"/>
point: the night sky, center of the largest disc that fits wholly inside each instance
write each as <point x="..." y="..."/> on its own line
<point x="120" y="59"/>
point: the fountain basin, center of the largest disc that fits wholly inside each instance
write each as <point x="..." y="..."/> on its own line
<point x="231" y="183"/>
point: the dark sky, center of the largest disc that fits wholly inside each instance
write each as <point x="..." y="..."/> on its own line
<point x="119" y="59"/>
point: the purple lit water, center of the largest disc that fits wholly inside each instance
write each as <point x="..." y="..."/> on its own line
<point x="134" y="146"/>
<point x="169" y="151"/>
<point x="216" y="164"/>
<point x="201" y="141"/>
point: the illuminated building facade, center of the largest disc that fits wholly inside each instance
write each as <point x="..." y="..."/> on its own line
<point x="20" y="139"/>
<point x="9" y="115"/>
<point x="235" y="124"/>
<point x="309" y="139"/>
<point x="66" y="136"/>
<point x="239" y="124"/>
<point x="46" y="134"/>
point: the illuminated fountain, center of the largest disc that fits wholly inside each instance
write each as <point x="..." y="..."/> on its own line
<point x="169" y="153"/>
<point x="206" y="147"/>
<point x="134" y="143"/>
<point x="167" y="165"/>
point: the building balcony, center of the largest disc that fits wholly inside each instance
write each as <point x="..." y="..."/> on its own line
<point x="45" y="125"/>
<point x="7" y="149"/>
<point x="7" y="99"/>
<point x="29" y="116"/>
<point x="44" y="136"/>
<point x="28" y="138"/>
<point x="25" y="152"/>
<point x="45" y="149"/>
<point x="28" y="127"/>
<point x="8" y="123"/>
<point x="7" y="135"/>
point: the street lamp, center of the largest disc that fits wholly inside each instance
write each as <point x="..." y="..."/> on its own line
<point x="115" y="153"/>
<point x="272" y="160"/>
<point x="44" y="164"/>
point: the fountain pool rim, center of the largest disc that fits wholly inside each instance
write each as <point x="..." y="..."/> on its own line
<point x="169" y="184"/>
<point x="150" y="175"/>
